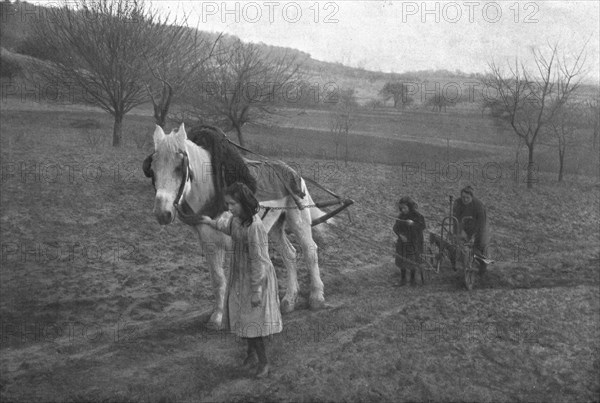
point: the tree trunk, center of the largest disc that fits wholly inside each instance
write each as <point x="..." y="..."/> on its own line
<point x="561" y="163"/>
<point x="517" y="165"/>
<point x="161" y="120"/>
<point x="346" y="156"/>
<point x="117" y="129"/>
<point x="240" y="137"/>
<point x="530" y="167"/>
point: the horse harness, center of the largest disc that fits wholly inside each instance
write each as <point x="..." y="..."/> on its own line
<point x="187" y="176"/>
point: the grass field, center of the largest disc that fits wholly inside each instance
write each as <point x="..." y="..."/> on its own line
<point x="99" y="303"/>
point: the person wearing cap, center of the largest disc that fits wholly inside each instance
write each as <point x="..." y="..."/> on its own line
<point x="409" y="228"/>
<point x="472" y="224"/>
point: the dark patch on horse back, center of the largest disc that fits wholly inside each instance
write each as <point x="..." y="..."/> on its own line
<point x="227" y="163"/>
<point x="226" y="160"/>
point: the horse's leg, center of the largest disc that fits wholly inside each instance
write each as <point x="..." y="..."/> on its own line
<point x="288" y="255"/>
<point x="300" y="223"/>
<point x="214" y="245"/>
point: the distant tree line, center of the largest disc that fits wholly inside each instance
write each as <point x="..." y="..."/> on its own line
<point x="121" y="54"/>
<point x="539" y="105"/>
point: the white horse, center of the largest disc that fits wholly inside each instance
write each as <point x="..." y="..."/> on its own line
<point x="183" y="177"/>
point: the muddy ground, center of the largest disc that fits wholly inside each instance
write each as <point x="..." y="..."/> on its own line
<point x="100" y="303"/>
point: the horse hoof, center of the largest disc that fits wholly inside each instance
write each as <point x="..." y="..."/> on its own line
<point x="214" y="326"/>
<point x="317" y="304"/>
<point x="286" y="306"/>
<point x="215" y="322"/>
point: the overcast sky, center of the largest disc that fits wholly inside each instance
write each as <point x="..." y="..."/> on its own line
<point x="406" y="35"/>
<point x="402" y="36"/>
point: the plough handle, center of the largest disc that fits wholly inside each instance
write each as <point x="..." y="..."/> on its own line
<point x="345" y="204"/>
<point x="328" y="203"/>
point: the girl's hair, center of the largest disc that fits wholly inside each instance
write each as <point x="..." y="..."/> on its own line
<point x="243" y="195"/>
<point x="412" y="205"/>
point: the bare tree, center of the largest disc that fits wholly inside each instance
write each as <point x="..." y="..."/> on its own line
<point x="564" y="125"/>
<point x="182" y="53"/>
<point x="241" y="84"/>
<point x="592" y="116"/>
<point x="439" y="102"/>
<point x="103" y="48"/>
<point x="528" y="100"/>
<point x="340" y="121"/>
<point x="399" y="92"/>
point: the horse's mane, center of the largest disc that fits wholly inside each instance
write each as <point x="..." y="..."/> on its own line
<point x="227" y="163"/>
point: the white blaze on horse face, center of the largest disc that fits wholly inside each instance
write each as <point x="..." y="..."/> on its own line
<point x="166" y="165"/>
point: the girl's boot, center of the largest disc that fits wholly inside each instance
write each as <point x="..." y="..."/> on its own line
<point x="402" y="277"/>
<point x="251" y="356"/>
<point x="263" y="365"/>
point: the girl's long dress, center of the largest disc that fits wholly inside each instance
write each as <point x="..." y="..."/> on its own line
<point x="251" y="272"/>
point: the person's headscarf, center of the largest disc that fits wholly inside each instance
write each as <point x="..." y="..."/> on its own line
<point x="468" y="190"/>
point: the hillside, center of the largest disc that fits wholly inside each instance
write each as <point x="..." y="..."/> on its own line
<point x="17" y="19"/>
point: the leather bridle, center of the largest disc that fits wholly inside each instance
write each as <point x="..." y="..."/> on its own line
<point x="187" y="176"/>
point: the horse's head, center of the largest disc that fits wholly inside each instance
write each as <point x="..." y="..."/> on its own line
<point x="171" y="172"/>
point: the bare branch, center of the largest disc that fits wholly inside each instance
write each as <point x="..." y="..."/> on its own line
<point x="240" y="83"/>
<point x="531" y="100"/>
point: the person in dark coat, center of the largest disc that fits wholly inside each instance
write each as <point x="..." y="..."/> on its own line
<point x="409" y="227"/>
<point x="472" y="223"/>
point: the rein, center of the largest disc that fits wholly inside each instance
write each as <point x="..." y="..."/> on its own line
<point x="184" y="211"/>
<point x="185" y="164"/>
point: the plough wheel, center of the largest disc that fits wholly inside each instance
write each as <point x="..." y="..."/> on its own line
<point x="470" y="270"/>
